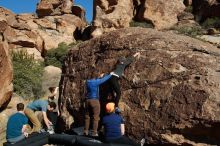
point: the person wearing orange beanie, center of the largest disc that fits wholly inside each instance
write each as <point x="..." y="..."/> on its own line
<point x="114" y="128"/>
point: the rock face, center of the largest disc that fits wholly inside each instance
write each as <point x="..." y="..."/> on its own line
<point x="6" y="76"/>
<point x="186" y="20"/>
<point x="54" y="7"/>
<point x="37" y="35"/>
<point x="79" y="11"/>
<point x="213" y="39"/>
<point x="171" y="89"/>
<point x="206" y="8"/>
<point x="51" y="77"/>
<point x="57" y="29"/>
<point x="110" y="15"/>
<point x="162" y="14"/>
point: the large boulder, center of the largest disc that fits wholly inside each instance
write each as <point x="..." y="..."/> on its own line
<point x="6" y="18"/>
<point x="10" y="16"/>
<point x="46" y="23"/>
<point x="39" y="34"/>
<point x="51" y="78"/>
<point x="213" y="39"/>
<point x="110" y="15"/>
<point x="58" y="29"/>
<point x="21" y="39"/>
<point x="6" y="86"/>
<point x="3" y="23"/>
<point x="45" y="8"/>
<point x="18" y="34"/>
<point x="54" y="7"/>
<point x="172" y="88"/>
<point x="206" y="8"/>
<point x="66" y="7"/>
<point x="49" y="31"/>
<point x="79" y="11"/>
<point x="25" y="17"/>
<point x="162" y="14"/>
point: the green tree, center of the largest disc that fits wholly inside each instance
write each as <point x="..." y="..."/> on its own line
<point x="211" y="23"/>
<point x="143" y="24"/>
<point x="27" y="74"/>
<point x="56" y="56"/>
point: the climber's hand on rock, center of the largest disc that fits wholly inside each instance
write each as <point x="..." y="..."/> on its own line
<point x="138" y="54"/>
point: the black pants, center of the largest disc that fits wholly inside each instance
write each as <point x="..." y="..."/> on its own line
<point x="114" y="81"/>
<point x="123" y="140"/>
<point x="52" y="116"/>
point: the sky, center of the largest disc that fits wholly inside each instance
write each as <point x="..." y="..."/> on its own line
<point x="29" y="6"/>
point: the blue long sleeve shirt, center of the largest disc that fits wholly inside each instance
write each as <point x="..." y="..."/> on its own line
<point x="92" y="86"/>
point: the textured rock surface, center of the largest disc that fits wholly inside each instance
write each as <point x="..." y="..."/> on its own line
<point x="3" y="24"/>
<point x="40" y="34"/>
<point x="51" y="77"/>
<point x="110" y="15"/>
<point x="176" y="139"/>
<point x="6" y="75"/>
<point x="57" y="29"/>
<point x="79" y="11"/>
<point x="162" y="14"/>
<point x="7" y="14"/>
<point x="28" y="32"/>
<point x="54" y="7"/>
<point x="186" y="21"/>
<point x="214" y="39"/>
<point x="173" y="88"/>
<point x="185" y="16"/>
<point x="206" y="8"/>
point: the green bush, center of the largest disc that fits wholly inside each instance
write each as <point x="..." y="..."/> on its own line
<point x="57" y="55"/>
<point x="141" y="24"/>
<point x="190" y="31"/>
<point x="27" y="75"/>
<point x="211" y="23"/>
<point x="189" y="9"/>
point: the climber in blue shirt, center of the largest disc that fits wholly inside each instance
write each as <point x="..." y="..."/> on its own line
<point x="92" y="104"/>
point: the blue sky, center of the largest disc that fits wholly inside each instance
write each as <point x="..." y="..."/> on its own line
<point x="29" y="6"/>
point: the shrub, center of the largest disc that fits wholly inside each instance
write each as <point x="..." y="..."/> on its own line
<point x="189" y="9"/>
<point x="211" y="22"/>
<point x="57" y="55"/>
<point x="189" y="30"/>
<point x="27" y="74"/>
<point x="141" y="24"/>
